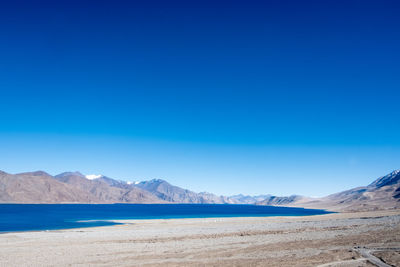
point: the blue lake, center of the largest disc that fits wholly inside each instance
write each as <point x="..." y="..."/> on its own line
<point x="35" y="217"/>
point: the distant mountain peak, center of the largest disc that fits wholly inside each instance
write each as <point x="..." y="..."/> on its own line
<point x="247" y="199"/>
<point x="35" y="173"/>
<point x="40" y="173"/>
<point x="76" y="173"/>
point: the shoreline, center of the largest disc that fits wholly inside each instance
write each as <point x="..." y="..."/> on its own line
<point x="127" y="221"/>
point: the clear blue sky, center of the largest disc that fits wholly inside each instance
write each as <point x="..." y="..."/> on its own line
<point x="229" y="97"/>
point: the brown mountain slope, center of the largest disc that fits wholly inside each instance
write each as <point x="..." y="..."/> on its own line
<point x="40" y="187"/>
<point x="383" y="193"/>
<point x="37" y="187"/>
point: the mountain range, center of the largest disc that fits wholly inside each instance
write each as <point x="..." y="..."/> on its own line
<point x="74" y="187"/>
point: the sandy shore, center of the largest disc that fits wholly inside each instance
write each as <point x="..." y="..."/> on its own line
<point x="327" y="240"/>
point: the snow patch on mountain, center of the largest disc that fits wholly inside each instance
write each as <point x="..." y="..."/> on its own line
<point x="93" y="176"/>
<point x="130" y="182"/>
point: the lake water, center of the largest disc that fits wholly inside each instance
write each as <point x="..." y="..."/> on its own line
<point x="34" y="217"/>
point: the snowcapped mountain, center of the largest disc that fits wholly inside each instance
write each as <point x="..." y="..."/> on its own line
<point x="109" y="181"/>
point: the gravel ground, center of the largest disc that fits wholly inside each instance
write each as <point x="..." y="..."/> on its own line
<point x="321" y="240"/>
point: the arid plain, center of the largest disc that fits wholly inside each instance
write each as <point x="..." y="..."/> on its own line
<point x="340" y="239"/>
